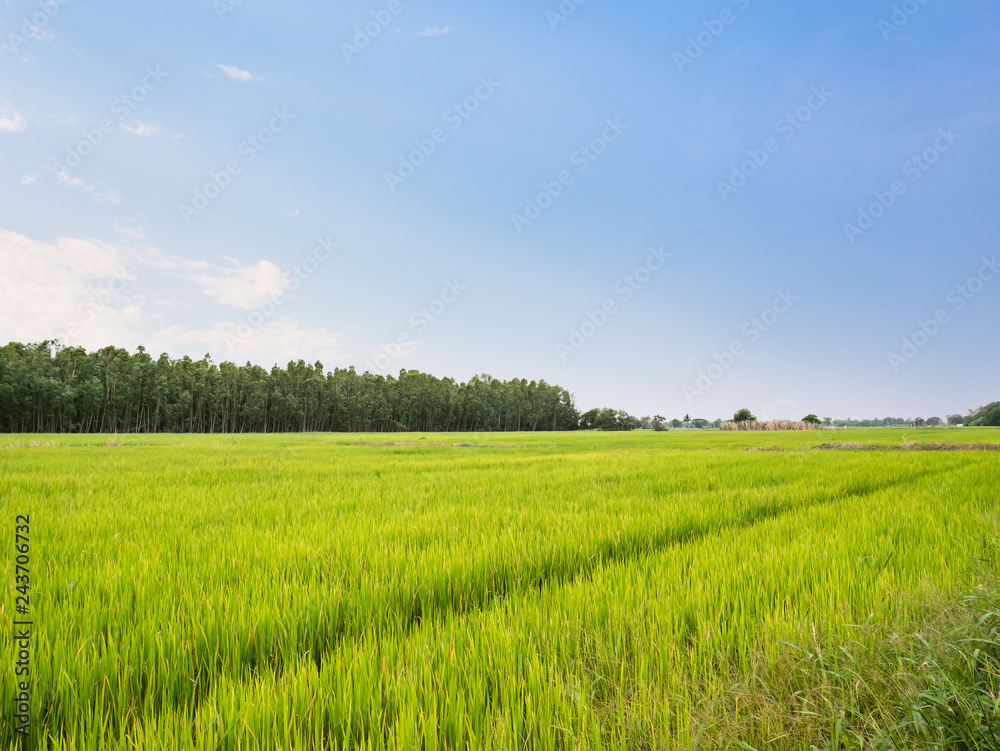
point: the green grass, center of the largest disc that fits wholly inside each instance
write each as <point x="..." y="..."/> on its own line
<point x="543" y="591"/>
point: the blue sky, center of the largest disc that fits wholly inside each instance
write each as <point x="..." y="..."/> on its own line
<point x="655" y="207"/>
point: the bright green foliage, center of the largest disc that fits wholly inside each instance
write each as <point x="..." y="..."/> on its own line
<point x="542" y="591"/>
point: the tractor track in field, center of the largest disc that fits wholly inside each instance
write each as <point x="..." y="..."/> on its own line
<point x="638" y="547"/>
<point x="612" y="552"/>
<point x="507" y="583"/>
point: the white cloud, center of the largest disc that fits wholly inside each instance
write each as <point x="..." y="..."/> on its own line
<point x="84" y="292"/>
<point x="10" y="118"/>
<point x="142" y="130"/>
<point x="433" y="31"/>
<point x="28" y="179"/>
<point x="101" y="193"/>
<point x="272" y="343"/>
<point x="242" y="286"/>
<point x="67" y="179"/>
<point x="80" y="284"/>
<point x="238" y="74"/>
<point x="129" y="234"/>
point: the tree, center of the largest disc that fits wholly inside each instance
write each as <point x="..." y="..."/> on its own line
<point x="828" y="421"/>
<point x="675" y="423"/>
<point x="933" y="422"/>
<point x="744" y="415"/>
<point x="992" y="416"/>
<point x="625" y="421"/>
<point x="811" y="419"/>
<point x="658" y="421"/>
<point x="988" y="416"/>
<point x="607" y="419"/>
<point x="700" y="423"/>
<point x="955" y="419"/>
<point x="50" y="388"/>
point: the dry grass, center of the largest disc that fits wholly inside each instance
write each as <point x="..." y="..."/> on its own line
<point x="771" y="425"/>
<point x="908" y="446"/>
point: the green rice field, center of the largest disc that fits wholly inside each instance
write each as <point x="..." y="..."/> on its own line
<point x="450" y="591"/>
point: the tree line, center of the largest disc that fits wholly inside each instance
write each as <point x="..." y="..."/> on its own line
<point x="47" y="388"/>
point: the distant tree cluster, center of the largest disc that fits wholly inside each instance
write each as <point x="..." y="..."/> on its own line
<point x="46" y="388"/>
<point x="988" y="416"/>
<point x="653" y="423"/>
<point x="608" y="419"/>
<point x="698" y="423"/>
<point x="875" y="422"/>
<point x="983" y="416"/>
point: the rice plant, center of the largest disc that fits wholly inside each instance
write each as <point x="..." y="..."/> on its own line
<point x="548" y="591"/>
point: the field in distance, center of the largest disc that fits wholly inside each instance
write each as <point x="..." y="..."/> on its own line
<point x="488" y="590"/>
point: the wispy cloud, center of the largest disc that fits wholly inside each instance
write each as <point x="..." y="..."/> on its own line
<point x="275" y="342"/>
<point x="10" y="118"/>
<point x="28" y="179"/>
<point x="242" y="286"/>
<point x="238" y="74"/>
<point x="434" y="31"/>
<point x="100" y="193"/>
<point x="129" y="235"/>
<point x="142" y="130"/>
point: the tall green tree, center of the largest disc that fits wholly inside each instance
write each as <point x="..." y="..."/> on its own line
<point x="45" y="387"/>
